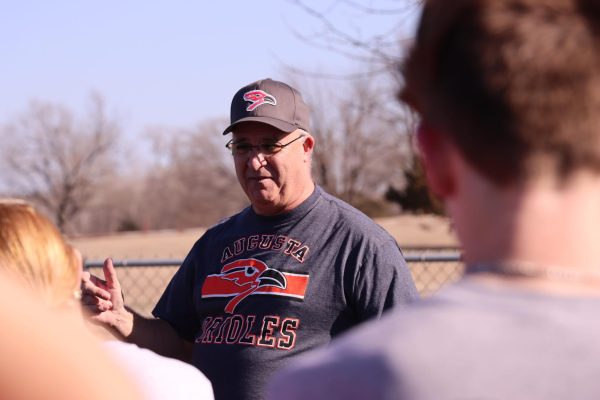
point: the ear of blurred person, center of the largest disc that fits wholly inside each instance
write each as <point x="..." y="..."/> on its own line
<point x="436" y="153"/>
<point x="35" y="256"/>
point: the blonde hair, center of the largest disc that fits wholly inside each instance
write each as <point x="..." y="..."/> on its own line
<point x="32" y="249"/>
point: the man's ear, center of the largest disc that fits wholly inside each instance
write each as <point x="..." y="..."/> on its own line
<point x="435" y="150"/>
<point x="308" y="146"/>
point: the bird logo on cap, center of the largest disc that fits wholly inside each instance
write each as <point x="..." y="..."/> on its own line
<point x="257" y="98"/>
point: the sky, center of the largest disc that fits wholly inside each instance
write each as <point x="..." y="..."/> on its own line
<point x="161" y="63"/>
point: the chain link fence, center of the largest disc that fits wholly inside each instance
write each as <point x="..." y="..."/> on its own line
<point x="433" y="268"/>
<point x="143" y="281"/>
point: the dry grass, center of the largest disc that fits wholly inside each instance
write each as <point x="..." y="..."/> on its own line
<point x="410" y="231"/>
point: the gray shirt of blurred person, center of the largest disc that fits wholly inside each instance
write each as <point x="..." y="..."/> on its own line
<point x="509" y="97"/>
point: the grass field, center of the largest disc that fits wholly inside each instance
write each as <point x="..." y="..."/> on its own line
<point x="410" y="231"/>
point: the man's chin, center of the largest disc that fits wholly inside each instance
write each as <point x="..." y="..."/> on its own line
<point x="260" y="195"/>
<point x="263" y="202"/>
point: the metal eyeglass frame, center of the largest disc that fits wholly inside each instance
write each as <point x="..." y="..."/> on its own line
<point x="266" y="149"/>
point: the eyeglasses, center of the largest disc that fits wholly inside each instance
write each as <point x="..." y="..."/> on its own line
<point x="266" y="149"/>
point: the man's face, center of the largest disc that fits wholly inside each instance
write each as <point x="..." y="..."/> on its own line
<point x="273" y="183"/>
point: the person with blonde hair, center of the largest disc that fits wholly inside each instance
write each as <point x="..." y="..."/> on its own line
<point x="35" y="255"/>
<point x="44" y="351"/>
<point x="33" y="250"/>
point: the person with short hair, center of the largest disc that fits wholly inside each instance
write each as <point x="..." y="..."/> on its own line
<point x="285" y="275"/>
<point x="508" y="92"/>
<point x="33" y="253"/>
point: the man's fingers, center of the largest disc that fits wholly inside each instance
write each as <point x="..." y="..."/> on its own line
<point x="95" y="304"/>
<point x="95" y="287"/>
<point x="104" y="305"/>
<point x="89" y="300"/>
<point x="101" y="283"/>
<point x="110" y="274"/>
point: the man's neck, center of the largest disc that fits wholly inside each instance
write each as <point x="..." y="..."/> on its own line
<point x="541" y="224"/>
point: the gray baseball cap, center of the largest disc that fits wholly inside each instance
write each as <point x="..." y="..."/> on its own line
<point x="271" y="102"/>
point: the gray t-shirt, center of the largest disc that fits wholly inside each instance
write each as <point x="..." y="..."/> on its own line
<point x="468" y="342"/>
<point x="255" y="290"/>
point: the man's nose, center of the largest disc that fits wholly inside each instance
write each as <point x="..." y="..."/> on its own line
<point x="256" y="159"/>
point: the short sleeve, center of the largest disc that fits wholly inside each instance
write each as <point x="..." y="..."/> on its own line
<point x="176" y="305"/>
<point x="383" y="281"/>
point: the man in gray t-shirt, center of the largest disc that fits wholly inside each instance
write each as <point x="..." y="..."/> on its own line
<point x="509" y="96"/>
<point x="320" y="269"/>
<point x="283" y="276"/>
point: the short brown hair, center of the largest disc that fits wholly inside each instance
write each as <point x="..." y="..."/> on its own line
<point x="33" y="250"/>
<point x="511" y="81"/>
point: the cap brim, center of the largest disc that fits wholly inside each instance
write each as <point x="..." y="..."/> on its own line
<point x="277" y="123"/>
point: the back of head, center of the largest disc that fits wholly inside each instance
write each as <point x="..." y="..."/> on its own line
<point x="33" y="250"/>
<point x="514" y="83"/>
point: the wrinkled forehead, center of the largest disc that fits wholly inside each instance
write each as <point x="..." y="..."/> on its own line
<point x="256" y="131"/>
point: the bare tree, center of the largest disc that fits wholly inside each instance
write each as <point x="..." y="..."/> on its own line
<point x="362" y="142"/>
<point x="369" y="117"/>
<point x="193" y="182"/>
<point x="117" y="207"/>
<point x="339" y="30"/>
<point x="323" y="103"/>
<point x="371" y="156"/>
<point x="58" y="161"/>
<point x="189" y="181"/>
